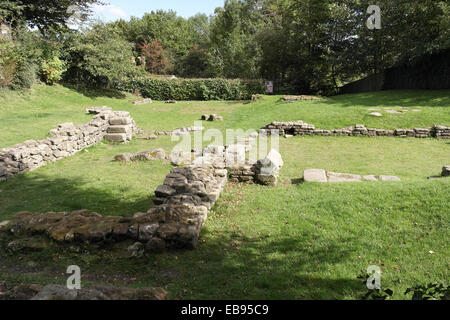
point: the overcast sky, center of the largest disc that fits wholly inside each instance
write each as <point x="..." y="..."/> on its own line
<point x="117" y="9"/>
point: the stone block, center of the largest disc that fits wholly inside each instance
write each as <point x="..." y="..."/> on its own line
<point x="116" y="137"/>
<point x="119" y="129"/>
<point x="315" y="175"/>
<point x="389" y="178"/>
<point x="119" y="121"/>
<point x="370" y="178"/>
<point x="343" y="177"/>
<point x="266" y="179"/>
<point x="164" y="191"/>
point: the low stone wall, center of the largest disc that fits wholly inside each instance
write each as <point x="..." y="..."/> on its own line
<point x="66" y="140"/>
<point x="181" y="208"/>
<point x="57" y="292"/>
<point x="183" y="202"/>
<point x="300" y="128"/>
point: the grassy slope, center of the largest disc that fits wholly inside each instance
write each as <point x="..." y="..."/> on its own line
<point x="302" y="241"/>
<point x="44" y="107"/>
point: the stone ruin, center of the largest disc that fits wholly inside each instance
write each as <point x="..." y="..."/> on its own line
<point x="58" y="292"/>
<point x="301" y="98"/>
<point x="320" y="175"/>
<point x="153" y="134"/>
<point x="66" y="140"/>
<point x="184" y="131"/>
<point x="147" y="155"/>
<point x="212" y="117"/>
<point x="181" y="208"/>
<point x="300" y="128"/>
<point x="143" y="101"/>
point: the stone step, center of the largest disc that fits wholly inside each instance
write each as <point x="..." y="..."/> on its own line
<point x="119" y="121"/>
<point x="116" y="137"/>
<point x="119" y="129"/>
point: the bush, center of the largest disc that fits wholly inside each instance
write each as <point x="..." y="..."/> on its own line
<point x="25" y="76"/>
<point x="8" y="62"/>
<point x="99" y="57"/>
<point x="194" y="89"/>
<point x="52" y="70"/>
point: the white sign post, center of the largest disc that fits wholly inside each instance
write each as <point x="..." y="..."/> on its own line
<point x="269" y="86"/>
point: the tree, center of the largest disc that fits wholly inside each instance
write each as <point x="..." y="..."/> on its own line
<point x="43" y="14"/>
<point x="99" y="56"/>
<point x="235" y="52"/>
<point x="194" y="64"/>
<point x="156" y="60"/>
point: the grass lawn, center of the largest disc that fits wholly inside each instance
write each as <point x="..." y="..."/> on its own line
<point x="294" y="241"/>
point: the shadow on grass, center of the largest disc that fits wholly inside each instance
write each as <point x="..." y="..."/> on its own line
<point x="403" y="98"/>
<point x="234" y="266"/>
<point x="96" y="92"/>
<point x="282" y="268"/>
<point x="38" y="193"/>
<point x="227" y="264"/>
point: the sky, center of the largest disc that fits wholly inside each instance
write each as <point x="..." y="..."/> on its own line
<point x="124" y="9"/>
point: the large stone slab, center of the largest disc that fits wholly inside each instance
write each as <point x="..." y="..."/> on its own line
<point x="119" y="129"/>
<point x="116" y="137"/>
<point x="57" y="292"/>
<point x="389" y="178"/>
<point x="119" y="121"/>
<point x="370" y="178"/>
<point x="343" y="177"/>
<point x="315" y="175"/>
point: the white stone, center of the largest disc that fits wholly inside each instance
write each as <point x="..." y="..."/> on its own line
<point x="370" y="178"/>
<point x="315" y="175"/>
<point x="388" y="178"/>
<point x="343" y="177"/>
<point x="272" y="163"/>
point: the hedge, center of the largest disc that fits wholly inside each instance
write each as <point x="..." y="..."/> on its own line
<point x="194" y="89"/>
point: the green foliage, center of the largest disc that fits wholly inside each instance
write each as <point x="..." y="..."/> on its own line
<point x="235" y="52"/>
<point x="20" y="59"/>
<point x="431" y="291"/>
<point x="43" y="14"/>
<point x="99" y="56"/>
<point x="52" y="69"/>
<point x="8" y="62"/>
<point x="304" y="46"/>
<point x="156" y="58"/>
<point x="194" y="64"/>
<point x="25" y="76"/>
<point x="194" y="89"/>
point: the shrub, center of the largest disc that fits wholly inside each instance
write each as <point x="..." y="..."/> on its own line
<point x="25" y="76"/>
<point x="52" y="70"/>
<point x="194" y="89"/>
<point x="8" y="62"/>
<point x="99" y="57"/>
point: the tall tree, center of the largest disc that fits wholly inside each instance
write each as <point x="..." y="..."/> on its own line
<point x="44" y="14"/>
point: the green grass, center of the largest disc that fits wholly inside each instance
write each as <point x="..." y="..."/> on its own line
<point x="294" y="241"/>
<point x="45" y="107"/>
